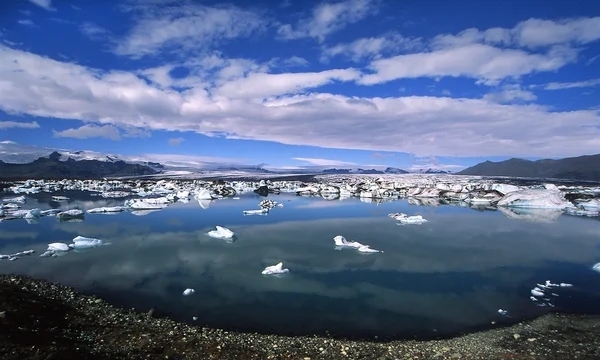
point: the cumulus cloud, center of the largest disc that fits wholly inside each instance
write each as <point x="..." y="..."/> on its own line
<point x="327" y="18"/>
<point x="16" y="124"/>
<point x="176" y="141"/>
<point x="184" y="28"/>
<point x="91" y="131"/>
<point x="45" y="4"/>
<point x="324" y="162"/>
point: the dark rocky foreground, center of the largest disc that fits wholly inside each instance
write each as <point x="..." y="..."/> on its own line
<point x="41" y="320"/>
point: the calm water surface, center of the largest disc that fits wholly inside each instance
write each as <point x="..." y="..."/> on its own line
<point x="448" y="276"/>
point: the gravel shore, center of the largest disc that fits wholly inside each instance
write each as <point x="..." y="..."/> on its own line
<point x="41" y="320"/>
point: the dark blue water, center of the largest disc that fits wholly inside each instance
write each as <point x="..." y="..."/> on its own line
<point x="445" y="277"/>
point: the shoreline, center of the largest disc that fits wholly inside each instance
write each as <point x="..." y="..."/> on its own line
<point x="43" y="320"/>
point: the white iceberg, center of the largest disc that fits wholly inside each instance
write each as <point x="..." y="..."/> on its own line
<point x="589" y="204"/>
<point x="275" y="269"/>
<point x="107" y="209"/>
<point x="69" y="214"/>
<point x="33" y="214"/>
<point x="565" y="285"/>
<point x="405" y="219"/>
<point x="596" y="267"/>
<point x="18" y="199"/>
<point x="188" y="291"/>
<point x="341" y="242"/>
<point x="58" y="247"/>
<point x="256" y="212"/>
<point x="537" y="292"/>
<point x="60" y="198"/>
<point x="81" y="242"/>
<point x="50" y="212"/>
<point x="502" y="312"/>
<point x="203" y="194"/>
<point x="535" y="198"/>
<point x="581" y="212"/>
<point x="148" y="204"/>
<point x="221" y="233"/>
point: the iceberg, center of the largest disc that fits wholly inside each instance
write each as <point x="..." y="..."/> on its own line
<point x="188" y="291"/>
<point x="275" y="269"/>
<point x="108" y="209"/>
<point x="203" y="194"/>
<point x="60" y="198"/>
<point x="596" y="267"/>
<point x="341" y="242"/>
<point x="256" y="212"/>
<point x="18" y="199"/>
<point x="581" y="212"/>
<point x="405" y="219"/>
<point x="267" y="204"/>
<point x="537" y="292"/>
<point x="49" y="212"/>
<point x="58" y="247"/>
<point x="15" y="256"/>
<point x="69" y="214"/>
<point x="148" y="204"/>
<point x="81" y="242"/>
<point x="593" y="204"/>
<point x="221" y="233"/>
<point x="535" y="198"/>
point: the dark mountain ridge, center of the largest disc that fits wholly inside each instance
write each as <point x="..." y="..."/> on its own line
<point x="585" y="167"/>
<point x="52" y="168"/>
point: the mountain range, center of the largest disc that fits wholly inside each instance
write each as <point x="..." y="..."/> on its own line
<point x="576" y="168"/>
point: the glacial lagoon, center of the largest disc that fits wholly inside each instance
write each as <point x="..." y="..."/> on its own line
<point x="447" y="276"/>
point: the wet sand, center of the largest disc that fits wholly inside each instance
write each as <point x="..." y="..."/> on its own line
<point x="41" y="320"/>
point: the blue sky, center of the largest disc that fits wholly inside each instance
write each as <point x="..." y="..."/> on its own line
<point x="352" y="83"/>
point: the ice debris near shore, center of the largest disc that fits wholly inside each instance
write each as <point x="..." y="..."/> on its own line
<point x="275" y="269"/>
<point x="542" y="294"/>
<point x="221" y="233"/>
<point x="404" y="219"/>
<point x="81" y="242"/>
<point x="341" y="242"/>
<point x="107" y="210"/>
<point x="15" y="256"/>
<point x="70" y="214"/>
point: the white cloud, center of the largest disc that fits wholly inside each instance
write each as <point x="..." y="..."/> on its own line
<point x="327" y="18"/>
<point x="372" y="47"/>
<point x="39" y="86"/>
<point x="295" y="61"/>
<point x="16" y="124"/>
<point x="479" y="61"/>
<point x="46" y="4"/>
<point x="176" y="141"/>
<point x="93" y="31"/>
<point x="571" y="85"/>
<point x="324" y="162"/>
<point x="184" y="28"/>
<point x="261" y="85"/>
<point x="91" y="131"/>
<point x="536" y="32"/>
<point x="510" y="94"/>
<point x="26" y="22"/>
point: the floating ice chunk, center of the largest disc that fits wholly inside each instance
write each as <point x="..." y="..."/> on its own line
<point x="81" y="242"/>
<point x="502" y="312"/>
<point x="596" y="267"/>
<point x="10" y="206"/>
<point x="566" y="285"/>
<point x="533" y="298"/>
<point x="195" y="318"/>
<point x="256" y="212"/>
<point x="221" y="233"/>
<point x="69" y="214"/>
<point x="108" y="209"/>
<point x="366" y="249"/>
<point x="275" y="269"/>
<point x="416" y="219"/>
<point x="554" y="294"/>
<point x="188" y="291"/>
<point x="341" y="242"/>
<point x="267" y="204"/>
<point x="18" y="199"/>
<point x="236" y="198"/>
<point x="15" y="256"/>
<point x="58" y="247"/>
<point x="60" y="198"/>
<point x="550" y="284"/>
<point x="148" y="204"/>
<point x="49" y="212"/>
<point x="115" y="194"/>
<point x="581" y="212"/>
<point x="203" y="194"/>
<point x="537" y="292"/>
<point x="535" y="198"/>
<point x="32" y="214"/>
<point x="590" y="204"/>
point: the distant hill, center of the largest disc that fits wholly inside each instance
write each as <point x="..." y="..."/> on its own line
<point x="577" y="168"/>
<point x="392" y="170"/>
<point x="436" y="171"/>
<point x="51" y="167"/>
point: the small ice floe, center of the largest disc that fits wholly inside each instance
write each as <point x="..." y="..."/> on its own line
<point x="49" y="212"/>
<point x="596" y="267"/>
<point x="341" y="242"/>
<point x="188" y="291"/>
<point x="15" y="256"/>
<point x="533" y="298"/>
<point x="81" y="242"/>
<point x="69" y="214"/>
<point x="19" y="200"/>
<point x="275" y="269"/>
<point x="256" y="212"/>
<point x="236" y="198"/>
<point x="56" y="249"/>
<point x="60" y="198"/>
<point x="503" y="312"/>
<point x="115" y="194"/>
<point x="565" y="285"/>
<point x="268" y="204"/>
<point x="148" y="204"/>
<point x="10" y="206"/>
<point x="106" y="210"/>
<point x="537" y="292"/>
<point x="405" y="219"/>
<point x="221" y="233"/>
<point x="33" y="214"/>
<point x="195" y="318"/>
